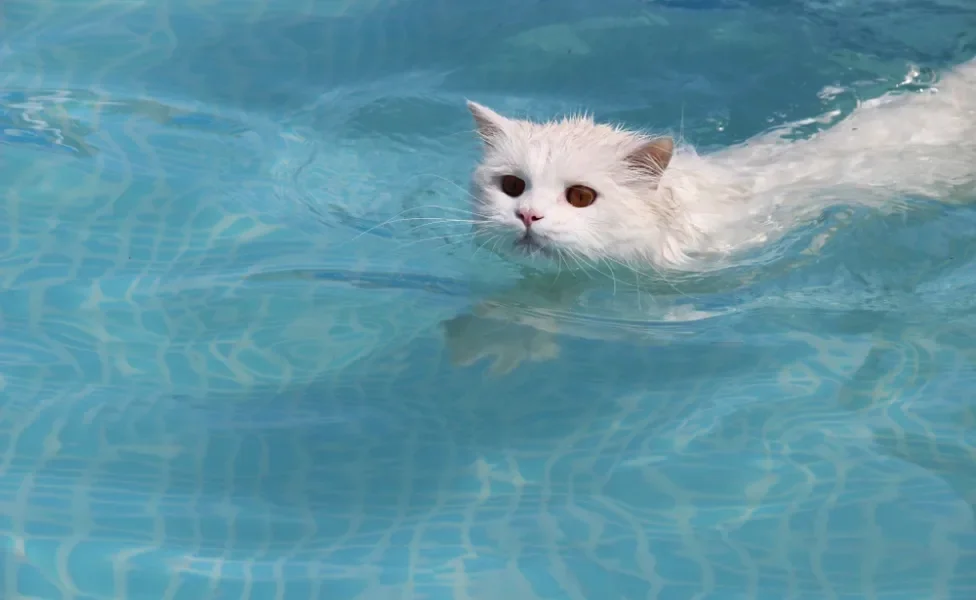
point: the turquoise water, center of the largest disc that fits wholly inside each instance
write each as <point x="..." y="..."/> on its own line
<point x="226" y="374"/>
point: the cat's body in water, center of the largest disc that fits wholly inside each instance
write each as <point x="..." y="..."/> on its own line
<point x="592" y="196"/>
<point x="577" y="191"/>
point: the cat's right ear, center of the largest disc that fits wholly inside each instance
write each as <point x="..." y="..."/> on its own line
<point x="490" y="124"/>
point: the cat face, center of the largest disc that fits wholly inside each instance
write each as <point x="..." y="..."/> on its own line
<point x="570" y="188"/>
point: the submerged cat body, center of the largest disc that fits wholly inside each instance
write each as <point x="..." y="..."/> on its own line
<point x="578" y="190"/>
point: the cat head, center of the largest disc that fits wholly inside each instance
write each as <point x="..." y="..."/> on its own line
<point x="571" y="187"/>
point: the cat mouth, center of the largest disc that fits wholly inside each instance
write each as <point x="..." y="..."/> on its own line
<point x="530" y="244"/>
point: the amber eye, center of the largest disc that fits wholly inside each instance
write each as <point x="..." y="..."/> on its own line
<point x="513" y="186"/>
<point x="580" y="196"/>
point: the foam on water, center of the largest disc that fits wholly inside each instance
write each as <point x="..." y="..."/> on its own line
<point x="230" y="368"/>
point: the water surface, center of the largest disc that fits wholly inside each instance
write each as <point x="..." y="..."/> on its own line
<point x="224" y="373"/>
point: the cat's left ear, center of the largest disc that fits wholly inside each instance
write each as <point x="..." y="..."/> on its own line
<point x="653" y="157"/>
<point x="490" y="124"/>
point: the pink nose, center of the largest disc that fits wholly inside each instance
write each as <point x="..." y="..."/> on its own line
<point x="528" y="216"/>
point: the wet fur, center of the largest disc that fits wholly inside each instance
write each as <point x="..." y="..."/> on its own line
<point x="688" y="211"/>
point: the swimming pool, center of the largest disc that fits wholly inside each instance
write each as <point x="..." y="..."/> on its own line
<point x="230" y="370"/>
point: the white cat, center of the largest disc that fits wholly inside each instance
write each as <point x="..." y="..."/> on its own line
<point x="576" y="189"/>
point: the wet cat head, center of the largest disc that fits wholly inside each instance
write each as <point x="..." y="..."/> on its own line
<point x="572" y="188"/>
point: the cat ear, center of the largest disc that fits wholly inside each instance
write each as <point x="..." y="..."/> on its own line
<point x="490" y="124"/>
<point x="653" y="157"/>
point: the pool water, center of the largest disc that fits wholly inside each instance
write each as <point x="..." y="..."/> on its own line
<point x="240" y="357"/>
